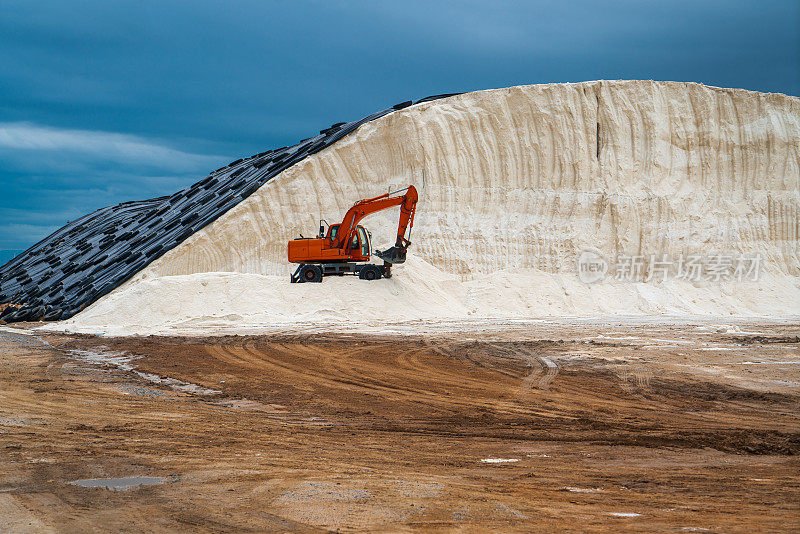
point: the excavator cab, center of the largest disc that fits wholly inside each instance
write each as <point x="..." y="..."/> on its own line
<point x="360" y="244"/>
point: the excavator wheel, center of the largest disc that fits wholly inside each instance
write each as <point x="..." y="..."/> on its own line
<point x="370" y="272"/>
<point x="310" y="273"/>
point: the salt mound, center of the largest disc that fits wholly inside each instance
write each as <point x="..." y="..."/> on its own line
<point x="231" y="303"/>
<point x="535" y="294"/>
<point x="514" y="184"/>
<point x="235" y="302"/>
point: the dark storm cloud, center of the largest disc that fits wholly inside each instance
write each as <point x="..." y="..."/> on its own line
<point x="126" y="100"/>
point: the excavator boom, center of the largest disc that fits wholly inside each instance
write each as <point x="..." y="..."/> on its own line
<point x="408" y="204"/>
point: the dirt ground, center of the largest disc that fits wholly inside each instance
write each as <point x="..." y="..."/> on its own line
<point x="589" y="428"/>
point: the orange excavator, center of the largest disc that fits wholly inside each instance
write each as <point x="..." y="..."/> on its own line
<point x="345" y="247"/>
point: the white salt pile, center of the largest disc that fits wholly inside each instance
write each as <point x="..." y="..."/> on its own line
<point x="514" y="184"/>
<point x="224" y="303"/>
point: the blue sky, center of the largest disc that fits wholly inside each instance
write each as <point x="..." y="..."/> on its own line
<point x="103" y="102"/>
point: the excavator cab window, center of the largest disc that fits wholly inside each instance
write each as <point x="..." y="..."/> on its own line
<point x="332" y="231"/>
<point x="363" y="237"/>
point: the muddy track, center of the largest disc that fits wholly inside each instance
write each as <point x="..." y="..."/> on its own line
<point x="524" y="391"/>
<point x="651" y="431"/>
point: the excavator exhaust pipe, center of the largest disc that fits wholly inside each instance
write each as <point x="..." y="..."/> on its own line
<point x="395" y="254"/>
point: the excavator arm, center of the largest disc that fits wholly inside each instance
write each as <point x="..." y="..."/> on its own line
<point x="408" y="204"/>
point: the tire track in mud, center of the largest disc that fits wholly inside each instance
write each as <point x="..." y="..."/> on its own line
<point x="418" y="454"/>
<point x="543" y="372"/>
<point x="411" y="375"/>
<point x="436" y="375"/>
<point x="455" y="388"/>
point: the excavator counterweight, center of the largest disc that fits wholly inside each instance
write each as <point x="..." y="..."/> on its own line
<point x="347" y="244"/>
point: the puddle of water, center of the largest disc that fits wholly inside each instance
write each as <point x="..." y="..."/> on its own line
<point x="120" y="360"/>
<point x="784" y="382"/>
<point x="247" y="404"/>
<point x="617" y="338"/>
<point x="12" y="422"/>
<point x="178" y="385"/>
<point x="624" y="514"/>
<point x="511" y="511"/>
<point x="583" y="490"/>
<point x="124" y="361"/>
<point x="788" y="362"/>
<point x="548" y="362"/>
<point x="119" y="484"/>
<point x="499" y="460"/>
<point x="128" y="389"/>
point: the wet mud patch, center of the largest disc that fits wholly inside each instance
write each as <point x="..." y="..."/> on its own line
<point x="375" y="433"/>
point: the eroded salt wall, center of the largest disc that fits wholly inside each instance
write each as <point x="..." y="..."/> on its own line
<point x="526" y="177"/>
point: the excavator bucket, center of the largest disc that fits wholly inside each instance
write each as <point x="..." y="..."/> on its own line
<point x="395" y="254"/>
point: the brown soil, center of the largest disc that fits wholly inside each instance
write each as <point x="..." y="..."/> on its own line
<point x="646" y="429"/>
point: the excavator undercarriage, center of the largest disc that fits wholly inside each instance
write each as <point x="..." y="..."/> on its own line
<point x="308" y="272"/>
